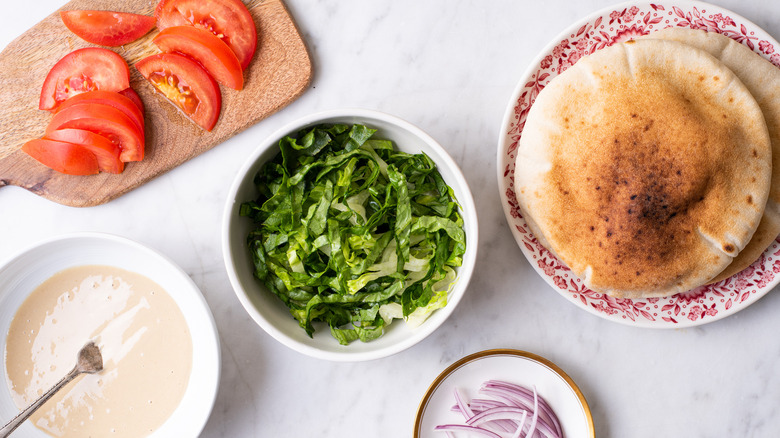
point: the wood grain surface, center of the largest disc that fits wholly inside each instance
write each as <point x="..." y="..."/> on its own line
<point x="278" y="74"/>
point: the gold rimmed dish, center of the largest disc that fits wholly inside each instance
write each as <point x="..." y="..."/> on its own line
<point x="514" y="366"/>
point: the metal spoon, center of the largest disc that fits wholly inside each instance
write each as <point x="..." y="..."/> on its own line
<point x="90" y="361"/>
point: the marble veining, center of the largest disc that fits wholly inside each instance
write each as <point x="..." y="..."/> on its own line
<point x="450" y="68"/>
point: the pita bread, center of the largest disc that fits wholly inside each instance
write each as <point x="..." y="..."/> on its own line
<point x="762" y="79"/>
<point x="645" y="168"/>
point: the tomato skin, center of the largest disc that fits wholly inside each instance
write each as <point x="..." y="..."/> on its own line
<point x="201" y="45"/>
<point x="186" y="84"/>
<point x="132" y="95"/>
<point x="106" y="152"/>
<point x="68" y="158"/>
<point x="107" y="28"/>
<point x="228" y="19"/>
<point x="82" y="70"/>
<point x="103" y="120"/>
<point x="110" y="98"/>
<point x="158" y="10"/>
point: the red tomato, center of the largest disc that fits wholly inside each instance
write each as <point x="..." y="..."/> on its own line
<point x="106" y="152"/>
<point x="230" y="20"/>
<point x="202" y="46"/>
<point x="83" y="70"/>
<point x="109" y="98"/>
<point x="185" y="83"/>
<point x="132" y="95"/>
<point x="106" y="121"/>
<point x="62" y="157"/>
<point x="107" y="28"/>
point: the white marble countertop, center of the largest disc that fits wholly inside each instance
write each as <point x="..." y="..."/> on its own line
<point x="449" y="67"/>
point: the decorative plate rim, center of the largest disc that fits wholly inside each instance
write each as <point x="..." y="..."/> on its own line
<point x="520" y="354"/>
<point x="696" y="307"/>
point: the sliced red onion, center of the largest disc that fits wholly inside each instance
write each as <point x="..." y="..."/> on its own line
<point x="462" y="406"/>
<point x="505" y="414"/>
<point x="497" y="413"/>
<point x="546" y="414"/>
<point x="521" y="391"/>
<point x="544" y="422"/>
<point x="478" y="406"/>
<point x="532" y="427"/>
<point x="506" y="417"/>
<point x="464" y="428"/>
<point x="520" y="426"/>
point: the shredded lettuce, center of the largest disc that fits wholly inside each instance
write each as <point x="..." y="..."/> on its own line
<point x="353" y="233"/>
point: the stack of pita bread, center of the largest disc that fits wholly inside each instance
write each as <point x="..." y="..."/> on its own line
<point x="651" y="167"/>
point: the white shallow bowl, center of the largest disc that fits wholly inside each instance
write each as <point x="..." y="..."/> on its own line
<point x="21" y="274"/>
<point x="267" y="309"/>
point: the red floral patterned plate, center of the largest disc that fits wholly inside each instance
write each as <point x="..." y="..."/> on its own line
<point x="619" y="23"/>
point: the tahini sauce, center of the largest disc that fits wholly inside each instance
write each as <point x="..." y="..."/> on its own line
<point x="144" y="340"/>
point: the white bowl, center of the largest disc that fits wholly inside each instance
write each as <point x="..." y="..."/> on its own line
<point x="267" y="309"/>
<point x="23" y="273"/>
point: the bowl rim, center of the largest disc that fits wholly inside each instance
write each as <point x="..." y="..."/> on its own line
<point x="205" y="399"/>
<point x="466" y="202"/>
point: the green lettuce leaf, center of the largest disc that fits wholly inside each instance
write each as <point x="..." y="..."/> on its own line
<point x="352" y="233"/>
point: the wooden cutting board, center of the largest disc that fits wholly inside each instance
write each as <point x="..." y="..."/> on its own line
<point x="278" y="74"/>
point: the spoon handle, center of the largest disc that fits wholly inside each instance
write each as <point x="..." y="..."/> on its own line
<point x="25" y="414"/>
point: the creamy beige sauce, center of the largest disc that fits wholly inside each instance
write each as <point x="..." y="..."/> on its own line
<point x="142" y="335"/>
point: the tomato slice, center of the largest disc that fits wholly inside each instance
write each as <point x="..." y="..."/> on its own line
<point x="109" y="98"/>
<point x="132" y="95"/>
<point x="202" y="46"/>
<point x="106" y="152"/>
<point x="103" y="120"/>
<point x="229" y="20"/>
<point x="82" y="70"/>
<point x="185" y="83"/>
<point x="107" y="28"/>
<point x="68" y="158"/>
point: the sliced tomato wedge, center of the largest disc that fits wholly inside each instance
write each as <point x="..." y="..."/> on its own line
<point x="185" y="83"/>
<point x="109" y="98"/>
<point x="83" y="70"/>
<point x="106" y="152"/>
<point x="103" y="120"/>
<point x="63" y="157"/>
<point x="202" y="46"/>
<point x="229" y="20"/>
<point x="132" y="95"/>
<point x="107" y="28"/>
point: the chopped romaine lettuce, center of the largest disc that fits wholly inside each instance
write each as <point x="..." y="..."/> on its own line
<point x="353" y="233"/>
